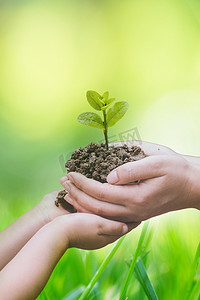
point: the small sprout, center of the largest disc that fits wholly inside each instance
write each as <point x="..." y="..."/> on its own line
<point x="111" y="113"/>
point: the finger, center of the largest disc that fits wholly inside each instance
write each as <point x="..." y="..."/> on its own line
<point x="62" y="179"/>
<point x="75" y="204"/>
<point x="102" y="191"/>
<point x="116" y="227"/>
<point x="93" y="205"/>
<point x="133" y="225"/>
<point x="112" y="228"/>
<point x="109" y="239"/>
<point x="146" y="168"/>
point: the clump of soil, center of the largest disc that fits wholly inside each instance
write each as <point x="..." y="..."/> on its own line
<point x="61" y="201"/>
<point x="96" y="162"/>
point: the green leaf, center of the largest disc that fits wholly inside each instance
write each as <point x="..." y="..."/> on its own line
<point x="116" y="112"/>
<point x="105" y="97"/>
<point x="192" y="282"/>
<point x="134" y="260"/>
<point x="111" y="100"/>
<point x="142" y="277"/>
<point x="101" y="269"/>
<point x="106" y="106"/>
<point x="75" y="293"/>
<point x="94" y="99"/>
<point x="91" y="119"/>
<point x="44" y="296"/>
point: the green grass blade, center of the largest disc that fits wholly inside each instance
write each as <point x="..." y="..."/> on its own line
<point x="195" y="293"/>
<point x="196" y="258"/>
<point x="142" y="276"/>
<point x="44" y="296"/>
<point x="192" y="282"/>
<point x="131" y="269"/>
<point x="75" y="293"/>
<point x="101" y="269"/>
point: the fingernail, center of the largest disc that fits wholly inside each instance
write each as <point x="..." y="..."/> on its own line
<point x="69" y="199"/>
<point x="66" y="185"/>
<point x="69" y="176"/>
<point x="62" y="179"/>
<point x="112" y="177"/>
<point x="124" y="229"/>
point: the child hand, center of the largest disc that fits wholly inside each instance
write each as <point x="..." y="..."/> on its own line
<point x="87" y="231"/>
<point x="30" y="269"/>
<point x="48" y="209"/>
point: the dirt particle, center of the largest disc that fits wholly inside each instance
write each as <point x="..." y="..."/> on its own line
<point x="61" y="201"/>
<point x="95" y="161"/>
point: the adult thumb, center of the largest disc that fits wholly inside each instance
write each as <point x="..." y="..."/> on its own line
<point x="146" y="168"/>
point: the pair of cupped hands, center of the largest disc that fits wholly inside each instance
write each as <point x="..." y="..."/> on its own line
<point x="167" y="181"/>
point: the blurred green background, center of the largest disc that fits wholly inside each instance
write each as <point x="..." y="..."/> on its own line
<point x="52" y="52"/>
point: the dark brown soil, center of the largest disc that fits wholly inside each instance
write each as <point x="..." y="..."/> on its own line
<point x="61" y="201"/>
<point x="96" y="162"/>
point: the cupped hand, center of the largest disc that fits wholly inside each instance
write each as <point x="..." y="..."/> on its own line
<point x="48" y="209"/>
<point x="167" y="182"/>
<point x="87" y="231"/>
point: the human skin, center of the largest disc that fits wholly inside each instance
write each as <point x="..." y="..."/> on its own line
<point x="168" y="181"/>
<point x="40" y="237"/>
<point x="17" y="234"/>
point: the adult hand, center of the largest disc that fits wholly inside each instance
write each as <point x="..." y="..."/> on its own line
<point x="156" y="149"/>
<point x="167" y="182"/>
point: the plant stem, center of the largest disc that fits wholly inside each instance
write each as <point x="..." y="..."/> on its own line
<point x="136" y="254"/>
<point x="101" y="269"/>
<point x="105" y="129"/>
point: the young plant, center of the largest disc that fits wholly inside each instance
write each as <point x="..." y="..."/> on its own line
<point x="111" y="113"/>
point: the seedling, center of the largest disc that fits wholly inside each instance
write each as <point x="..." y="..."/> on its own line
<point x="111" y="113"/>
